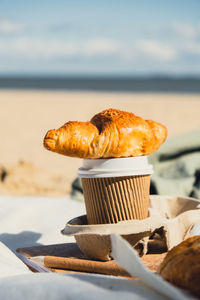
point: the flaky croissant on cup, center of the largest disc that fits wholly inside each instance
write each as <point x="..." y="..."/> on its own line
<point x="111" y="135"/>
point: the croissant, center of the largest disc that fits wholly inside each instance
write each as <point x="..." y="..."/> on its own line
<point x="181" y="266"/>
<point x="111" y="133"/>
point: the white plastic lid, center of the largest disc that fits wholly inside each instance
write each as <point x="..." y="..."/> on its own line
<point x="115" y="167"/>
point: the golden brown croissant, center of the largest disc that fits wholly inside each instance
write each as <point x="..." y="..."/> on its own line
<point x="181" y="266"/>
<point x="111" y="133"/>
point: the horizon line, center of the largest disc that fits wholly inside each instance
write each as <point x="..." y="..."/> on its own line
<point x="99" y="76"/>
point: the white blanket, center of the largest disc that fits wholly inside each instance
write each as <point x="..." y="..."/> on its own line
<point x="29" y="221"/>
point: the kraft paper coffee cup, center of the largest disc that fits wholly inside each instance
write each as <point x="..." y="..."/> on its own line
<point x="116" y="189"/>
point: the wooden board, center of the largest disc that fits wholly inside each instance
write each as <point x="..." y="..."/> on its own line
<point x="62" y="258"/>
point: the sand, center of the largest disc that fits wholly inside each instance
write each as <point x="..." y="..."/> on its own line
<point x="26" y="168"/>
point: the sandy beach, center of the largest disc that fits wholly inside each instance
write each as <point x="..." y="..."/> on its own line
<point x="26" y="168"/>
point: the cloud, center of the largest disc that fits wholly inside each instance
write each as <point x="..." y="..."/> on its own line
<point x="34" y="48"/>
<point x="10" y="27"/>
<point x="100" y="47"/>
<point x="187" y="38"/>
<point x="193" y="48"/>
<point x="156" y="50"/>
<point x="186" y="31"/>
<point x="171" y="52"/>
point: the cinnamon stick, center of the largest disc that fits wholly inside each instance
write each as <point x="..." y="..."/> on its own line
<point x="84" y="265"/>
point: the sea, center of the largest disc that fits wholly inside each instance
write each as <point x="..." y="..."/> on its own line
<point x="103" y="84"/>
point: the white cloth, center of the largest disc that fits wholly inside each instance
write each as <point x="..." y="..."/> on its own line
<point x="10" y="265"/>
<point x="29" y="221"/>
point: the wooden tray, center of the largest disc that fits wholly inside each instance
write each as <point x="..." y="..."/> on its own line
<point x="67" y="258"/>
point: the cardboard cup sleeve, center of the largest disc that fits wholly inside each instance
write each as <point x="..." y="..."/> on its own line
<point x="114" y="199"/>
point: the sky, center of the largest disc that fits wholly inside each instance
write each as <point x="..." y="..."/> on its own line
<point x="105" y="37"/>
